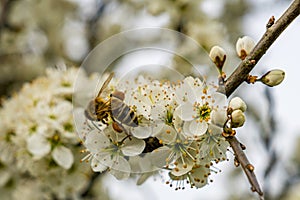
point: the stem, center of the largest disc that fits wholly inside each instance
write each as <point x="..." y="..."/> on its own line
<point x="271" y="34"/>
<point x="243" y="160"/>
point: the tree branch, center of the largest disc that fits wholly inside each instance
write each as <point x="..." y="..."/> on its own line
<point x="271" y="34"/>
<point x="243" y="160"/>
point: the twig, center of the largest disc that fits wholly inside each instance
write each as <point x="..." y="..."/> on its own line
<point x="243" y="160"/>
<point x="271" y="34"/>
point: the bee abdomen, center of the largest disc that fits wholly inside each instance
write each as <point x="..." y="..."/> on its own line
<point x="122" y="113"/>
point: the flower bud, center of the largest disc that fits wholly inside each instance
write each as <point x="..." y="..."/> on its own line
<point x="237" y="119"/>
<point x="244" y="46"/>
<point x="273" y="77"/>
<point x="218" y="56"/>
<point x="237" y="104"/>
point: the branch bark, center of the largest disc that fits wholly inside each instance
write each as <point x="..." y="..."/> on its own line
<point x="243" y="160"/>
<point x="269" y="37"/>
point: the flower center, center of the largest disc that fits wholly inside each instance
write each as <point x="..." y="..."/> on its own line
<point x="203" y="112"/>
<point x="169" y="118"/>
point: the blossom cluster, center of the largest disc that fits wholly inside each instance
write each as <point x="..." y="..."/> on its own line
<point x="178" y="128"/>
<point x="39" y="146"/>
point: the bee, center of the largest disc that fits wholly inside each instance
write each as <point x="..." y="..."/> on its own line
<point x="100" y="109"/>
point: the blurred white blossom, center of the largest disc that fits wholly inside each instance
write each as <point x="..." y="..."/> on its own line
<point x="38" y="138"/>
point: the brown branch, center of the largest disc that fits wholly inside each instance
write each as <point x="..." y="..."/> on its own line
<point x="271" y="34"/>
<point x="243" y="160"/>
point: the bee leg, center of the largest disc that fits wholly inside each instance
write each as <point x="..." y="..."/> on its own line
<point x="120" y="128"/>
<point x="117" y="127"/>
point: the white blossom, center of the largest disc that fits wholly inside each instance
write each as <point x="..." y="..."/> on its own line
<point x="108" y="150"/>
<point x="197" y="101"/>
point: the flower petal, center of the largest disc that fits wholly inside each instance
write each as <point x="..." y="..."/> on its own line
<point x="141" y="164"/>
<point x="157" y="129"/>
<point x="118" y="165"/>
<point x="133" y="146"/>
<point x="185" y="111"/>
<point x="96" y="140"/>
<point x="158" y="112"/>
<point x="218" y="117"/>
<point x="97" y="166"/>
<point x="38" y="145"/>
<point x="159" y="156"/>
<point x="141" y="132"/>
<point x="185" y="92"/>
<point x="120" y="168"/>
<point x="167" y="135"/>
<point x="220" y="99"/>
<point x="199" y="176"/>
<point x="63" y="157"/>
<point x="182" y="168"/>
<point x="120" y="175"/>
<point x="198" y="128"/>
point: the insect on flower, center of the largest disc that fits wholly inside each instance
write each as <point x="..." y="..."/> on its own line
<point x="114" y="108"/>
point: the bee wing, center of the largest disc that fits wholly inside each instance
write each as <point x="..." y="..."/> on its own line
<point x="105" y="84"/>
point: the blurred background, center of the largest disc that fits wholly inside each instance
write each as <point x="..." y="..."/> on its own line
<point x="40" y="34"/>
